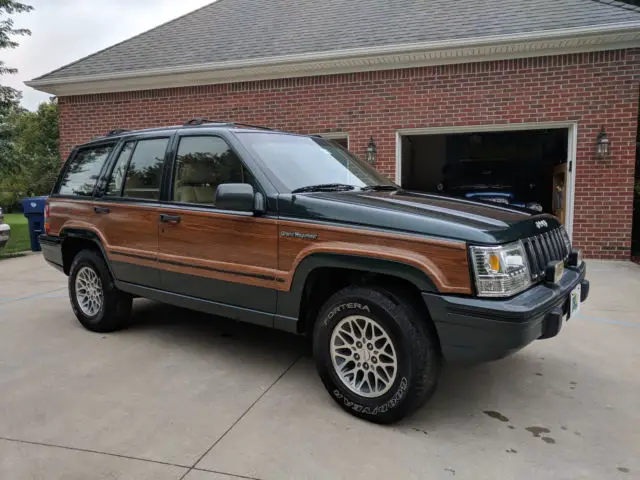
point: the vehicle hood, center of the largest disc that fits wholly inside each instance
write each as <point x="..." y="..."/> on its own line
<point x="415" y="212"/>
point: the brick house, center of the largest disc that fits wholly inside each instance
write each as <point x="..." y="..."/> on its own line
<point x="438" y="88"/>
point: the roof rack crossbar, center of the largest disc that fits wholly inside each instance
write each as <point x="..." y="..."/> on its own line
<point x="201" y="121"/>
<point x="116" y="131"/>
<point x="198" y="121"/>
<point x="260" y="127"/>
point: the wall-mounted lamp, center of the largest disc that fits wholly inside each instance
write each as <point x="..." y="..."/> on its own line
<point x="372" y="152"/>
<point x="603" y="145"/>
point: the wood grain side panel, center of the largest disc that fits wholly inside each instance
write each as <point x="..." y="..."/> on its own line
<point x="67" y="213"/>
<point x="444" y="262"/>
<point x="219" y="241"/>
<point x="129" y="228"/>
<point x="241" y="249"/>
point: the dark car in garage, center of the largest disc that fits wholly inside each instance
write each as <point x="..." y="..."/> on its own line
<point x="492" y="181"/>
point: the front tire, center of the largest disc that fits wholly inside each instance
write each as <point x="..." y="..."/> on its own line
<point x="377" y="356"/>
<point x="96" y="302"/>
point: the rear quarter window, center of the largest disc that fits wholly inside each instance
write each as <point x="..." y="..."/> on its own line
<point x="82" y="172"/>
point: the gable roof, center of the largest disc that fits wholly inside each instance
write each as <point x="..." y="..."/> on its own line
<point x="231" y="35"/>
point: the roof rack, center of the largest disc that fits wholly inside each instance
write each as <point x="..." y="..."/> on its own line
<point x="202" y="121"/>
<point x="260" y="127"/>
<point x="198" y="121"/>
<point x="116" y="131"/>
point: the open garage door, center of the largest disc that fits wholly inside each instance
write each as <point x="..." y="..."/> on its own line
<point x="525" y="168"/>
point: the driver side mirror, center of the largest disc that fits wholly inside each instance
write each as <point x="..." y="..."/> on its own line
<point x="239" y="197"/>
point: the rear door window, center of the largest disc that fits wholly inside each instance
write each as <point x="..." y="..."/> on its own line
<point x="144" y="175"/>
<point x="114" y="187"/>
<point x="83" y="171"/>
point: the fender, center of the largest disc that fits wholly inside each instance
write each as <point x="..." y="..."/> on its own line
<point x="86" y="235"/>
<point x="289" y="302"/>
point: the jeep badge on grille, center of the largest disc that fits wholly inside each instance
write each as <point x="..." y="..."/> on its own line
<point x="541" y="223"/>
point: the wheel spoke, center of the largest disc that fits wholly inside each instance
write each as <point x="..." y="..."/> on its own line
<point x="342" y="355"/>
<point x="364" y="379"/>
<point x="346" y="338"/>
<point x="382" y="376"/>
<point x="368" y="331"/>
<point x="371" y="382"/>
<point x="386" y="359"/>
<point x="355" y="327"/>
<point x="348" y="371"/>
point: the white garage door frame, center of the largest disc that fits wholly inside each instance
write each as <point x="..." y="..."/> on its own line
<point x="572" y="146"/>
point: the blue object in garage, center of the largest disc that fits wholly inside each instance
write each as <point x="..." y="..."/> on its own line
<point x="34" y="211"/>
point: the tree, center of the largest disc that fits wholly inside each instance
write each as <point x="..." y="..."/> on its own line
<point x="9" y="97"/>
<point x="34" y="154"/>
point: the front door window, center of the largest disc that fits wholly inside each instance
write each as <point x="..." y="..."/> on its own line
<point x="202" y="164"/>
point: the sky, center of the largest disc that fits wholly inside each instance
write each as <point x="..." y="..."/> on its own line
<point x="63" y="31"/>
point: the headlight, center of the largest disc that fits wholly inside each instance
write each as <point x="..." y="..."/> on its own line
<point x="534" y="206"/>
<point x="500" y="271"/>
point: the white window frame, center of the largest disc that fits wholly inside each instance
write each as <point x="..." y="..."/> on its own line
<point x="335" y="136"/>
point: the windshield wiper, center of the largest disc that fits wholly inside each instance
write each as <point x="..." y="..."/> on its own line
<point x="324" y="187"/>
<point x="380" y="188"/>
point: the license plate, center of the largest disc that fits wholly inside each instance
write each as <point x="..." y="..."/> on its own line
<point x="574" y="300"/>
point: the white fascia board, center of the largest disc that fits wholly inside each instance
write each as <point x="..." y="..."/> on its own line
<point x="501" y="47"/>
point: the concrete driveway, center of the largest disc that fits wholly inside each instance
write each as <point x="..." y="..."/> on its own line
<point x="184" y="395"/>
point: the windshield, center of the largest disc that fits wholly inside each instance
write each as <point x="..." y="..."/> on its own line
<point x="296" y="162"/>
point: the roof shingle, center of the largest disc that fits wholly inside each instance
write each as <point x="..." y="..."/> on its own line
<point x="250" y="29"/>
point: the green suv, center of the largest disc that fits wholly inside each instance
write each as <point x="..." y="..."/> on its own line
<point x="294" y="232"/>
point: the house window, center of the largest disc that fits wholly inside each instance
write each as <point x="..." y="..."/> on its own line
<point x="341" y="138"/>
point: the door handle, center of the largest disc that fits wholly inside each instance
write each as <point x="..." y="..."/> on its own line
<point x="170" y="219"/>
<point x="101" y="209"/>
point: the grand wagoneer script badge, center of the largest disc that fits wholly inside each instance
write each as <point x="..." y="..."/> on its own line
<point x="304" y="236"/>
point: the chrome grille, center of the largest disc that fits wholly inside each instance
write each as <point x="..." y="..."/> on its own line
<point x="541" y="249"/>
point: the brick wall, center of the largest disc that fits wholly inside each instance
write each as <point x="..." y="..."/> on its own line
<point x="593" y="89"/>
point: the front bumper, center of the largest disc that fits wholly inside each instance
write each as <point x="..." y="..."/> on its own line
<point x="475" y="330"/>
<point x="5" y="234"/>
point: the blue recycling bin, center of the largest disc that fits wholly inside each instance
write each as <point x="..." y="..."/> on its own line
<point x="34" y="211"/>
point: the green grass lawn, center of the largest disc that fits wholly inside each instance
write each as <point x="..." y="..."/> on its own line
<point x="19" y="240"/>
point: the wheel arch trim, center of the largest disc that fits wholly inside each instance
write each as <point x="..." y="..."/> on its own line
<point x="289" y="303"/>
<point x="89" y="234"/>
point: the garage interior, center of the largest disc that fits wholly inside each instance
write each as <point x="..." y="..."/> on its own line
<point x="530" y="164"/>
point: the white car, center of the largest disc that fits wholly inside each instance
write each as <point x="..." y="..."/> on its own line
<point x="5" y="231"/>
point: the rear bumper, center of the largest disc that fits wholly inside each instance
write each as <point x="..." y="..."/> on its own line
<point x="474" y="330"/>
<point x="5" y="234"/>
<point x="52" y="250"/>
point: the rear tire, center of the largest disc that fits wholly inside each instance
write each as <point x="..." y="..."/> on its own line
<point x="389" y="351"/>
<point x="96" y="302"/>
